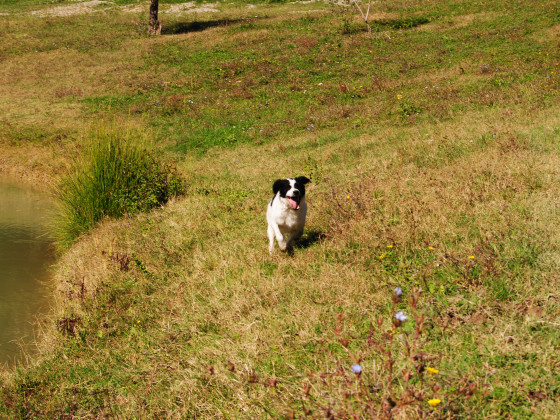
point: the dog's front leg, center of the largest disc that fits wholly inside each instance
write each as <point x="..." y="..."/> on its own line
<point x="279" y="237"/>
<point x="271" y="236"/>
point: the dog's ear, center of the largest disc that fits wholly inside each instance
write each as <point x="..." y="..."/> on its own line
<point x="277" y="186"/>
<point x="302" y="180"/>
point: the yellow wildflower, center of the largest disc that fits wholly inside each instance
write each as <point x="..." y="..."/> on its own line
<point x="432" y="370"/>
<point x="434" y="402"/>
<point x="389" y="246"/>
<point x="471" y="257"/>
<point x="399" y="96"/>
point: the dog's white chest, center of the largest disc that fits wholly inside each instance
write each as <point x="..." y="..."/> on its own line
<point x="289" y="220"/>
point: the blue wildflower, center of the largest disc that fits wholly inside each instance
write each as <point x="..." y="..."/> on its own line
<point x="401" y="316"/>
<point x="357" y="369"/>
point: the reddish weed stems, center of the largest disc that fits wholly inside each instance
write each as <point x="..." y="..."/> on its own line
<point x="383" y="373"/>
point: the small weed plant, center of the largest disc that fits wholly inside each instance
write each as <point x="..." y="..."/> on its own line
<point x="116" y="176"/>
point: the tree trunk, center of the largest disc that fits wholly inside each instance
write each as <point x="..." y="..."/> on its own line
<point x="154" y="26"/>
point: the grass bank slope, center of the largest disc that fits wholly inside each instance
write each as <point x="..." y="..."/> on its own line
<point x="433" y="149"/>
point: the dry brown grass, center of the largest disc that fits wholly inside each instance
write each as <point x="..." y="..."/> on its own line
<point x="31" y="165"/>
<point x="460" y="21"/>
<point x="208" y="252"/>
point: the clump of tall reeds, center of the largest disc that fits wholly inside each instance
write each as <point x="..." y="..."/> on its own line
<point x="115" y="175"/>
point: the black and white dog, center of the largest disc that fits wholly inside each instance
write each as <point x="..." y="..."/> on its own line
<point x="286" y="212"/>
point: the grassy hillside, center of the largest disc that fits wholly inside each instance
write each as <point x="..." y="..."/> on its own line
<point x="433" y="149"/>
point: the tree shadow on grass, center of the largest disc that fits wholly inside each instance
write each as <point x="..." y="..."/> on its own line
<point x="197" y="26"/>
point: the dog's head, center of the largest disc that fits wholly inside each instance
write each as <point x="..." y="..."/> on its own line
<point x="291" y="189"/>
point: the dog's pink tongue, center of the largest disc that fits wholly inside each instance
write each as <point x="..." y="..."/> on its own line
<point x="293" y="203"/>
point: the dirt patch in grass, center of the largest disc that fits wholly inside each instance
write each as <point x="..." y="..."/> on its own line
<point x="191" y="7"/>
<point x="94" y="6"/>
<point x="91" y="6"/>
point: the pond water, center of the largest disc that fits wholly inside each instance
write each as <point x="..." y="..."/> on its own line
<point x="25" y="256"/>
